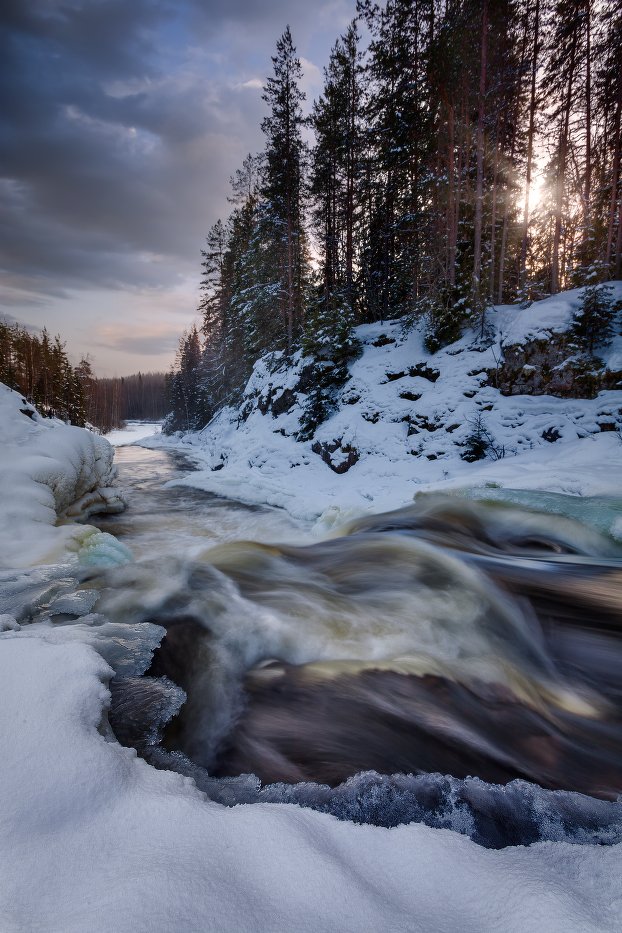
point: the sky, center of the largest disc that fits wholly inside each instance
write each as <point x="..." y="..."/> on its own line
<point x="121" y="122"/>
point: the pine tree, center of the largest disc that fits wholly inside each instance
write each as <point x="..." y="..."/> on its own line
<point x="608" y="111"/>
<point x="280" y="232"/>
<point x="334" y="182"/>
<point x="86" y="379"/>
<point x="566" y="54"/>
<point x="336" y="170"/>
<point x="189" y="406"/>
<point x="533" y="25"/>
<point x="400" y="142"/>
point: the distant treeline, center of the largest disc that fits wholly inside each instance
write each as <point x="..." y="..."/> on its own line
<point x="141" y="397"/>
<point x="37" y="366"/>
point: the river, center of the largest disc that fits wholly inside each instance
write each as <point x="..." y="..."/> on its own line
<point x="455" y="662"/>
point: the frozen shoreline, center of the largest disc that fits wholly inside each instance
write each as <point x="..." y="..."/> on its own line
<point x="53" y="477"/>
<point x="409" y="431"/>
<point x="133" y="432"/>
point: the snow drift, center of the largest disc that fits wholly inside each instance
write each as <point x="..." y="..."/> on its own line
<point x="98" y="840"/>
<point x="52" y="476"/>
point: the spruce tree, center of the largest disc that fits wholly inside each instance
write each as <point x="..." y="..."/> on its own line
<point x="189" y="406"/>
<point x="593" y="321"/>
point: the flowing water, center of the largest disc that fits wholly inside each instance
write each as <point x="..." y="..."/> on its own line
<point x="456" y="662"/>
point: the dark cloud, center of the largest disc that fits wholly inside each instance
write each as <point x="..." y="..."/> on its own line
<point x="7" y="318"/>
<point x="120" y="124"/>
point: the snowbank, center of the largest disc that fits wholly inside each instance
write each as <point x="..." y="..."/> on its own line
<point x="52" y="475"/>
<point x="407" y="414"/>
<point x="93" y="838"/>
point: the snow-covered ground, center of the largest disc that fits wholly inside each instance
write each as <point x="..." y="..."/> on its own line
<point x="52" y="475"/>
<point x="133" y="432"/>
<point x="93" y="838"/>
<point x="407" y="413"/>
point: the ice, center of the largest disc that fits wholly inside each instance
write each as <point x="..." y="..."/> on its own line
<point x="101" y="549"/>
<point x="494" y="816"/>
<point x="8" y="623"/>
<point x="604" y="513"/>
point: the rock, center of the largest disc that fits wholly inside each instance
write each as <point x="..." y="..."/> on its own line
<point x="383" y="341"/>
<point x="551" y="367"/>
<point x="425" y="371"/>
<point x="326" y="451"/>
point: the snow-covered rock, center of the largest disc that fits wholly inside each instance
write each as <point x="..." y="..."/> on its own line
<point x="404" y="419"/>
<point x="52" y="475"/>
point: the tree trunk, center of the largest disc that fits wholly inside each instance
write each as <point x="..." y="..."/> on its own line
<point x="493" y="212"/>
<point x="463" y="159"/>
<point x="479" y="191"/>
<point x="587" y="184"/>
<point x="560" y="181"/>
<point x="350" y="192"/>
<point x="615" y="179"/>
<point x="451" y="210"/>
<point x="532" y="114"/>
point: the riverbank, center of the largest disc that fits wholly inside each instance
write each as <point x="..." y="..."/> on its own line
<point x="53" y="478"/>
<point x="409" y="421"/>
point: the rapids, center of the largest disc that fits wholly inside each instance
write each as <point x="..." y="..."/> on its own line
<point x="455" y="662"/>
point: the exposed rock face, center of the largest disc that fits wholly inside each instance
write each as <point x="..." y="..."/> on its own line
<point x="421" y="369"/>
<point x="551" y="367"/>
<point x="276" y="390"/>
<point x="339" y="457"/>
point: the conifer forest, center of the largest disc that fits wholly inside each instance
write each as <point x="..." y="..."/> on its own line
<point x="38" y="366"/>
<point x="462" y="153"/>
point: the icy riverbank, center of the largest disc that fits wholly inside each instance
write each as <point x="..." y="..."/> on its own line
<point x="133" y="432"/>
<point x="52" y="475"/>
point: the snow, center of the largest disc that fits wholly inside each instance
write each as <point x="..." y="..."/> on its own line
<point x="408" y="413"/>
<point x="93" y="838"/>
<point x="132" y="432"/>
<point x="52" y="475"/>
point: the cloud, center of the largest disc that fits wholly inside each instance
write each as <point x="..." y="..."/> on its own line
<point x="312" y="79"/>
<point x="253" y="84"/>
<point x="144" y="344"/>
<point x="121" y="125"/>
<point x="10" y="319"/>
